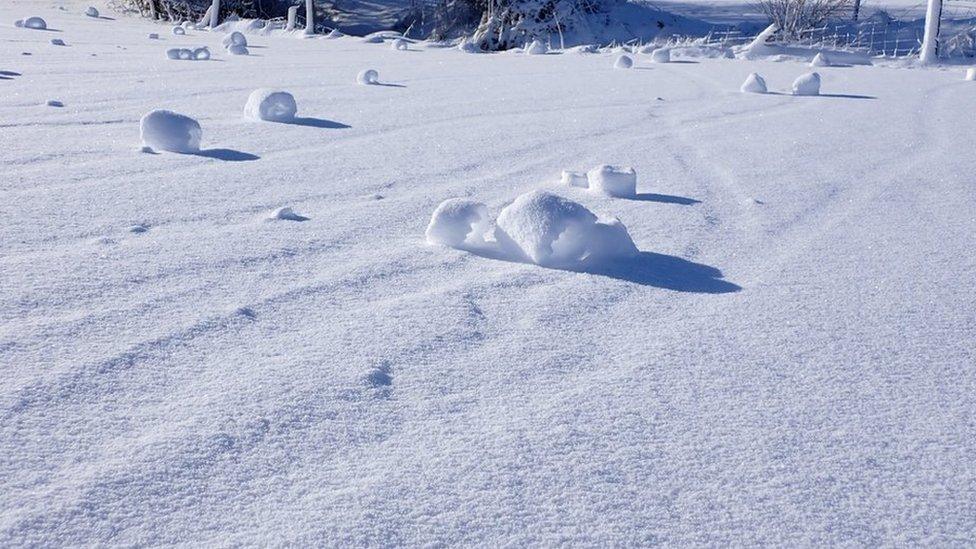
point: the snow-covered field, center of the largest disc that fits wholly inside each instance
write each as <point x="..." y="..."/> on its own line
<point x="790" y="359"/>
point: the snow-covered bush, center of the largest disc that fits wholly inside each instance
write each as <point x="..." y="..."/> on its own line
<point x="271" y="105"/>
<point x="754" y="84"/>
<point x="623" y="62"/>
<point x="368" y="77"/>
<point x="458" y="223"/>
<point x="661" y="55"/>
<point x="613" y="181"/>
<point x="820" y="60"/>
<point x="550" y="230"/>
<point x="506" y="24"/>
<point x="793" y="16"/>
<point x="170" y="131"/>
<point x="807" y="84"/>
<point x="35" y="23"/>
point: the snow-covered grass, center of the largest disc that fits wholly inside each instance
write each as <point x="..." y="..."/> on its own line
<point x="787" y="359"/>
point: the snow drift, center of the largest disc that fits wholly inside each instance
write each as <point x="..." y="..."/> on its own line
<point x="169" y="131"/>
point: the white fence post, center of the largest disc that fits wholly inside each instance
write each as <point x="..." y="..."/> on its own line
<point x="292" y="15"/>
<point x="214" y="14"/>
<point x="931" y="38"/>
<point x="309" y="17"/>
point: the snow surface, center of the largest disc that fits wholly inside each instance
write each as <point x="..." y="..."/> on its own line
<point x="788" y="360"/>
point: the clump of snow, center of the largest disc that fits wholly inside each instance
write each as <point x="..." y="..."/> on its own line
<point x="185" y="54"/>
<point x="623" y="62"/>
<point x="31" y="23"/>
<point x="754" y="84"/>
<point x="458" y="223"/>
<point x="807" y="84"/>
<point x="971" y="74"/>
<point x="373" y="39"/>
<point x="820" y="60"/>
<point x="271" y="105"/>
<point x="169" y="131"/>
<point x="550" y="230"/>
<point x="368" y="77"/>
<point x="154" y="36"/>
<point x="92" y="11"/>
<point x="201" y="54"/>
<point x="333" y="34"/>
<point x="468" y="46"/>
<point x="54" y="103"/>
<point x="57" y="42"/>
<point x="536" y="48"/>
<point x="575" y="179"/>
<point x="661" y="55"/>
<point x="287" y="214"/>
<point x="179" y="31"/>
<point x="173" y="53"/>
<point x="237" y="49"/>
<point x="234" y="39"/>
<point x="399" y="44"/>
<point x="586" y="48"/>
<point x="613" y="181"/>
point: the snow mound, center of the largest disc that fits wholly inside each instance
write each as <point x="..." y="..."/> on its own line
<point x="536" y="48"/>
<point x="234" y="39"/>
<point x="237" y="49"/>
<point x="169" y="131"/>
<point x="575" y="179"/>
<point x="458" y="223"/>
<point x="368" y="77"/>
<point x="154" y="36"/>
<point x="754" y="84"/>
<point x="971" y="74"/>
<point x="92" y="11"/>
<point x="807" y="84"/>
<point x="661" y="55"/>
<point x="201" y="54"/>
<point x="820" y="60"/>
<point x="399" y="44"/>
<point x="550" y="230"/>
<point x="31" y="23"/>
<point x="623" y="62"/>
<point x="613" y="181"/>
<point x="271" y="105"/>
<point x="287" y="214"/>
<point x="57" y="42"/>
<point x="179" y="31"/>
